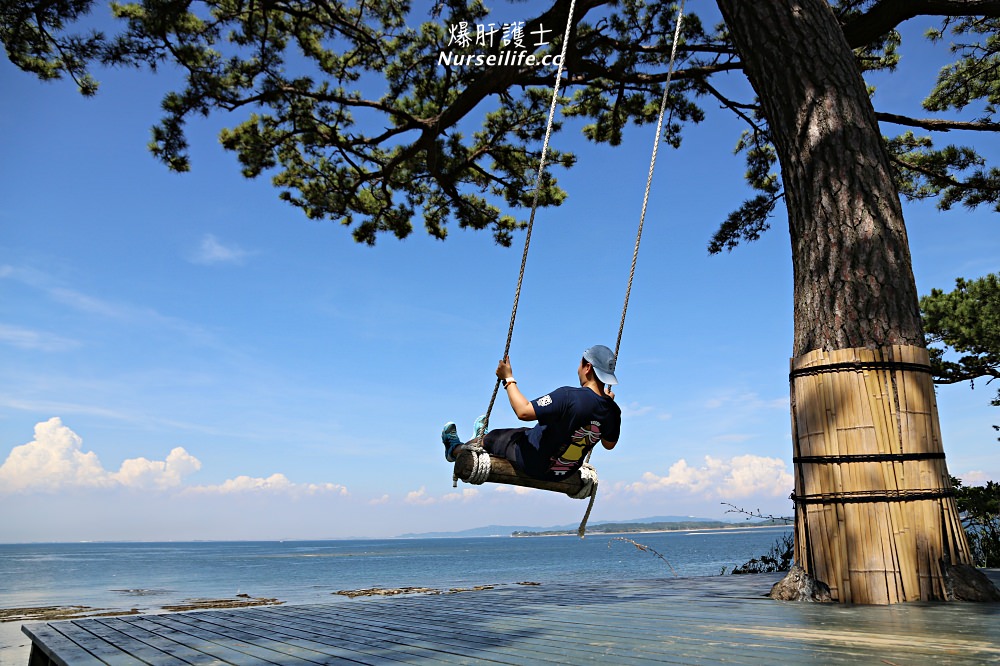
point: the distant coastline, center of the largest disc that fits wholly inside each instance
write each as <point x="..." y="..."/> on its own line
<point x="646" y="528"/>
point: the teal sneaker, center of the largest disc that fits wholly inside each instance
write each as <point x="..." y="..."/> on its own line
<point x="480" y="429"/>
<point x="449" y="437"/>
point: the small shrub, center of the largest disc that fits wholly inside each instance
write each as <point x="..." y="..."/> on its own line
<point x="979" y="507"/>
<point x="778" y="558"/>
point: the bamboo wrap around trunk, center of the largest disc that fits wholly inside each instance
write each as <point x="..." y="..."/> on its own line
<point x="875" y="514"/>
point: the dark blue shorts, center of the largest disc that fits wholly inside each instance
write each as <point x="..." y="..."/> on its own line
<point x="510" y="443"/>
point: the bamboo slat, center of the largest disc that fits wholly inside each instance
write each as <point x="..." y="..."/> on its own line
<point x="873" y="516"/>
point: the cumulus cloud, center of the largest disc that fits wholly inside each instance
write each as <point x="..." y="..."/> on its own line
<point x="158" y="474"/>
<point x="55" y="459"/>
<point x="211" y="251"/>
<point x="738" y="477"/>
<point x="420" y="497"/>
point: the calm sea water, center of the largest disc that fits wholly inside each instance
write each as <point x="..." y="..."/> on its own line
<point x="147" y="576"/>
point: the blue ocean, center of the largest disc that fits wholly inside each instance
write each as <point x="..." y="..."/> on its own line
<point x="148" y="576"/>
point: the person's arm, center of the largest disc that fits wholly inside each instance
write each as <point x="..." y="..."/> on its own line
<point x="522" y="406"/>
<point x="605" y="443"/>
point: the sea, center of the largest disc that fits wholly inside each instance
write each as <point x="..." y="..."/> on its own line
<point x="148" y="576"/>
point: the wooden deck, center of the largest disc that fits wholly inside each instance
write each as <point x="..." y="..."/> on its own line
<point x="672" y="621"/>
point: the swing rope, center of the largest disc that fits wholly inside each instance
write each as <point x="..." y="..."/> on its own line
<point x="534" y="208"/>
<point x="582" y="530"/>
<point x="587" y="472"/>
<point x="652" y="165"/>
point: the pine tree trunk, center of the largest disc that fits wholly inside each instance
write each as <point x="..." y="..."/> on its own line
<point x="875" y="519"/>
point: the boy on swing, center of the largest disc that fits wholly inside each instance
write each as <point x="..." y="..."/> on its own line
<point x="571" y="421"/>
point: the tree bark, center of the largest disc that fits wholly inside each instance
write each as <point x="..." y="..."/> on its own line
<point x="863" y="453"/>
<point x="854" y="284"/>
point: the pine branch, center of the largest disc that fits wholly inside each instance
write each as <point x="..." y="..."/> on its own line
<point x="937" y="125"/>
<point x="885" y="15"/>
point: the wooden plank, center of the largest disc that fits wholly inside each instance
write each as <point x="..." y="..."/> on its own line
<point x="378" y="641"/>
<point x="57" y="646"/>
<point x="200" y="625"/>
<point x="576" y="643"/>
<point x="628" y="637"/>
<point x="127" y="643"/>
<point x="307" y="632"/>
<point x="183" y="652"/>
<point x="225" y="652"/>
<point x="350" y="627"/>
<point x="302" y="632"/>
<point x="251" y="639"/>
<point x="106" y="652"/>
<point x="485" y="635"/>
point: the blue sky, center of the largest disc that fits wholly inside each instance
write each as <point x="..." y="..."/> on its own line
<point x="186" y="357"/>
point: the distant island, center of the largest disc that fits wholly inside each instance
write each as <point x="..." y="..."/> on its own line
<point x="630" y="525"/>
<point x="628" y="528"/>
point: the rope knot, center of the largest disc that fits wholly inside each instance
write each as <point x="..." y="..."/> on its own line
<point x="481" y="466"/>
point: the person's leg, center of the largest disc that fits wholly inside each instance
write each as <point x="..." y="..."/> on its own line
<point x="506" y="443"/>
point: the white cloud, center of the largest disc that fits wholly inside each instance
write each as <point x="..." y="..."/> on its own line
<point x="974" y="477"/>
<point x="276" y="483"/>
<point x="515" y="490"/>
<point x="422" y="498"/>
<point x="211" y="252"/>
<point x="52" y="460"/>
<point x="738" y="477"/>
<point x="55" y="460"/>
<point x="158" y="474"/>
<point x="24" y="338"/>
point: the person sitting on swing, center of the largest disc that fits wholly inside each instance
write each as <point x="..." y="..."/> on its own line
<point x="571" y="421"/>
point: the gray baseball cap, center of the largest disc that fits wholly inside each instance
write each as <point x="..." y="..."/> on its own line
<point x="603" y="360"/>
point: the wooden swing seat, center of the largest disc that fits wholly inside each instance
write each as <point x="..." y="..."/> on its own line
<point x="501" y="471"/>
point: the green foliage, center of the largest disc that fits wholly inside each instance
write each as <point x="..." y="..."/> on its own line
<point x="347" y="108"/>
<point x="956" y="174"/>
<point x="778" y="558"/>
<point x="32" y="34"/>
<point x="979" y="507"/>
<point x="966" y="321"/>
<point x="751" y="219"/>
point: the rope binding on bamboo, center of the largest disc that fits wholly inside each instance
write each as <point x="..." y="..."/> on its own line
<point x="867" y="496"/>
<point x="860" y="366"/>
<point x="870" y="457"/>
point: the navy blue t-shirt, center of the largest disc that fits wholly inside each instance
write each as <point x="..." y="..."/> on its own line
<point x="571" y="421"/>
